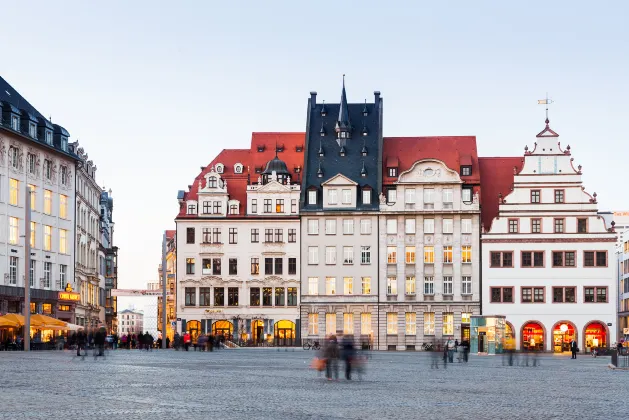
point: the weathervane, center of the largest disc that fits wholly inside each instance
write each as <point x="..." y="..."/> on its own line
<point x="545" y="102"/>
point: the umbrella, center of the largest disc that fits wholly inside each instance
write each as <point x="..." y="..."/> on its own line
<point x="43" y="320"/>
<point x="7" y="323"/>
<point x="14" y="318"/>
<point x="74" y="327"/>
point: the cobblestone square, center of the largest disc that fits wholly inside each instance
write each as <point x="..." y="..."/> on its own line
<point x="272" y="384"/>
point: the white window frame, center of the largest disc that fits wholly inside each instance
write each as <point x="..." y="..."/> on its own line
<point x="427" y="258"/>
<point x="313" y="286"/>
<point x="366" y="196"/>
<point x="366" y="286"/>
<point x="313" y="226"/>
<point x="429" y="195"/>
<point x="312" y="197"/>
<point x="409" y="226"/>
<point x="348" y="323"/>
<point x="348" y="286"/>
<point x="392" y="254"/>
<point x="392" y="323"/>
<point x="365" y="226"/>
<point x="448" y="323"/>
<point x="330" y="286"/>
<point x="348" y="226"/>
<point x="429" y="285"/>
<point x="411" y="323"/>
<point x="365" y="254"/>
<point x="466" y="285"/>
<point x="429" y="226"/>
<point x="410" y="254"/>
<point x="447" y="225"/>
<point x="391" y="195"/>
<point x="391" y="226"/>
<point x="330" y="255"/>
<point x="448" y="285"/>
<point x="410" y="286"/>
<point x="348" y="255"/>
<point x="466" y="195"/>
<point x="365" y="323"/>
<point x="14" y="230"/>
<point x="313" y="255"/>
<point x="333" y="196"/>
<point x="14" y="263"/>
<point x="330" y="323"/>
<point x="391" y="285"/>
<point x="46" y="280"/>
<point x="448" y="195"/>
<point x="409" y="196"/>
<point x="313" y="324"/>
<point x="330" y="226"/>
<point x="346" y="196"/>
<point x="429" y="323"/>
<point x="466" y="225"/>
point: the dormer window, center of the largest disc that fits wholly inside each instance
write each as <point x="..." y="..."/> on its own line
<point x="299" y="148"/>
<point x="365" y="131"/>
<point x="365" y="110"/>
<point x="320" y="172"/>
<point x="211" y="182"/>
<point x="258" y="169"/>
<point x="324" y="110"/>
<point x="392" y="171"/>
<point x="367" y="196"/>
<point x="342" y="151"/>
<point x="297" y="169"/>
<point x="192" y="209"/>
<point x="64" y="144"/>
<point x="233" y="209"/>
<point x="260" y="148"/>
<point x="219" y="168"/>
<point x="32" y="130"/>
<point x="312" y="197"/>
<point x="466" y="170"/>
<point x="238" y="168"/>
<point x="48" y="136"/>
<point x="343" y="135"/>
<point x="322" y="131"/>
<point x="279" y="149"/>
<point x="321" y="154"/>
<point x="15" y="123"/>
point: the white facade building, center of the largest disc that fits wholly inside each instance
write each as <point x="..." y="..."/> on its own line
<point x="548" y="262"/>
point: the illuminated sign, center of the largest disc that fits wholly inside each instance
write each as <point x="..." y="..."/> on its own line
<point x="69" y="296"/>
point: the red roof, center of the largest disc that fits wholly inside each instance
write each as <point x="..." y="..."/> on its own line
<point x="250" y="159"/>
<point x="452" y="150"/>
<point x="496" y="177"/>
<point x="170" y="234"/>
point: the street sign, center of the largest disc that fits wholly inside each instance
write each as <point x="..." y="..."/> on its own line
<point x="138" y="292"/>
<point x="173" y="324"/>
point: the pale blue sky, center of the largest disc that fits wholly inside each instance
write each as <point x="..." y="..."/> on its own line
<point x="153" y="90"/>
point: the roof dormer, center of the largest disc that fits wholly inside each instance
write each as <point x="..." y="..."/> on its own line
<point x="220" y="168"/>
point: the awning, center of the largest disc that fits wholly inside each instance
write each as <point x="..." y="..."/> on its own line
<point x="74" y="327"/>
<point x="38" y="319"/>
<point x="7" y="323"/>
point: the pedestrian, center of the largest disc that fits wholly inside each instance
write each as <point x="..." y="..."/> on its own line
<point x="348" y="353"/>
<point x="99" y="341"/>
<point x="573" y="348"/>
<point x="331" y="353"/>
<point x="456" y="345"/>
<point x="186" y="340"/>
<point x="176" y="343"/>
<point x="80" y="342"/>
<point x="619" y="348"/>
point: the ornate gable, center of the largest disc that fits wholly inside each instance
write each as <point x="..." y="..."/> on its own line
<point x="429" y="171"/>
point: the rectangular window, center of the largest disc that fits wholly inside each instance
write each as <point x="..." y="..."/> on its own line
<point x="233" y="235"/>
<point x="34" y="196"/>
<point x="255" y="265"/>
<point x="348" y="226"/>
<point x="47" y="238"/>
<point x="207" y="207"/>
<point x="448" y="226"/>
<point x="232" y="296"/>
<point x="330" y="226"/>
<point x="233" y="267"/>
<point x="447" y="254"/>
<point x="448" y="285"/>
<point x="409" y="226"/>
<point x="535" y="196"/>
<point x="409" y="196"/>
<point x="63" y="206"/>
<point x="409" y="286"/>
<point x="429" y="195"/>
<point x="514" y="226"/>
<point x="291" y="296"/>
<point x="312" y="199"/>
<point x="14" y="191"/>
<point x="330" y="255"/>
<point x="429" y="255"/>
<point x="501" y="294"/>
<point x="559" y="225"/>
<point x="267" y="205"/>
<point x="448" y="195"/>
<point x="13" y="269"/>
<point x="332" y="196"/>
<point x="411" y="323"/>
<point x="63" y="272"/>
<point x="348" y="255"/>
<point x="392" y="172"/>
<point x="330" y="285"/>
<point x="330" y="323"/>
<point x="279" y="266"/>
<point x="254" y="296"/>
<point x="216" y="266"/>
<point x="366" y="285"/>
<point x="313" y="226"/>
<point x="190" y="235"/>
<point x="466" y="195"/>
<point x="410" y="255"/>
<point x="501" y="259"/>
<point x="532" y="259"/>
<point x="279" y="235"/>
<point x="391" y="255"/>
<point x="267" y="296"/>
<point x="466" y="225"/>
<point x="292" y="235"/>
<point x="391" y="285"/>
<point x="63" y="241"/>
<point x="429" y="226"/>
<point x="595" y="258"/>
<point x="582" y="225"/>
<point x="218" y="207"/>
<point x="292" y="266"/>
<point x="466" y="285"/>
<point x="347" y="196"/>
<point x="279" y="206"/>
<point x="448" y="323"/>
<point x="255" y="236"/>
<point x="365" y="226"/>
<point x="268" y="266"/>
<point x="313" y="285"/>
<point x="47" y="201"/>
<point x="559" y="196"/>
<point x="367" y="196"/>
<point x="392" y="323"/>
<point x="391" y="226"/>
<point x="268" y="235"/>
<point x="536" y="225"/>
<point x="47" y="169"/>
<point x="391" y="195"/>
<point x="365" y="254"/>
<point x="206" y="269"/>
<point x="466" y="254"/>
<point x="466" y="170"/>
<point x="204" y="296"/>
<point x="429" y="323"/>
<point x="365" y="323"/>
<point x="293" y="206"/>
<point x="14" y="230"/>
<point x="191" y="298"/>
<point x="564" y="259"/>
<point x="189" y="265"/>
<point x="254" y="206"/>
<point x="429" y="285"/>
<point x="313" y="255"/>
<point x="348" y="285"/>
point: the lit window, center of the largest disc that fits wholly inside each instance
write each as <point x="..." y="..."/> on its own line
<point x="14" y="188"/>
<point x="14" y="230"/>
<point x="47" y="238"/>
<point x="348" y="285"/>
<point x="448" y="323"/>
<point x="330" y="323"/>
<point x="429" y="323"/>
<point x="411" y="323"/>
<point x="47" y="201"/>
<point x="313" y="324"/>
<point x="33" y="234"/>
<point x="348" y="323"/>
<point x="391" y="285"/>
<point x="63" y="241"/>
<point x="392" y="323"/>
<point x="365" y="323"/>
<point x="409" y="285"/>
<point x="33" y="197"/>
<point x="466" y="254"/>
<point x="366" y="286"/>
<point x="330" y="285"/>
<point x="313" y="285"/>
<point x="391" y="255"/>
<point x="429" y="254"/>
<point x="410" y="255"/>
<point x="63" y="206"/>
<point x="447" y="254"/>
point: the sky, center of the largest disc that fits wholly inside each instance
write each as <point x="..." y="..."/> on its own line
<point x="153" y="90"/>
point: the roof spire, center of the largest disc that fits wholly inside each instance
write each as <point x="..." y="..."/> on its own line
<point x="343" y="123"/>
<point x="546" y="132"/>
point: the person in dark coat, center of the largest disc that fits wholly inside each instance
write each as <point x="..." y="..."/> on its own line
<point x="573" y="348"/>
<point x="99" y="340"/>
<point x="80" y="342"/>
<point x="348" y="354"/>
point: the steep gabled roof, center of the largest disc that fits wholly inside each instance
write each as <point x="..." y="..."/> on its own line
<point x="496" y="178"/>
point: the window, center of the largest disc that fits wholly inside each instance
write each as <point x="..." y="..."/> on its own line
<point x="535" y="196"/>
<point x="47" y="238"/>
<point x="501" y="294"/>
<point x="292" y="296"/>
<point x="47" y="275"/>
<point x="47" y="201"/>
<point x="32" y="163"/>
<point x="14" y="230"/>
<point x="532" y="259"/>
<point x="429" y="254"/>
<point x="189" y="265"/>
<point x="595" y="258"/>
<point x="204" y="296"/>
<point x="595" y="294"/>
<point x="409" y="285"/>
<point x="233" y="235"/>
<point x="429" y="195"/>
<point x="34" y="197"/>
<point x="409" y="226"/>
<point x="313" y="285"/>
<point x="216" y="266"/>
<point x="448" y="195"/>
<point x="233" y="209"/>
<point x="255" y="236"/>
<point x="466" y="254"/>
<point x="48" y="136"/>
<point x="330" y="285"/>
<point x="63" y="241"/>
<point x="392" y="171"/>
<point x="466" y="195"/>
<point x="219" y="296"/>
<point x="391" y="195"/>
<point x="447" y="254"/>
<point x="348" y="285"/>
<point x="410" y="255"/>
<point x="533" y="294"/>
<point x="501" y="259"/>
<point x="332" y="196"/>
<point x="292" y="235"/>
<point x="330" y="226"/>
<point x="32" y="130"/>
<point x="429" y="323"/>
<point x="559" y="196"/>
<point x="191" y="298"/>
<point x="63" y="206"/>
<point x="365" y="226"/>
<point x="347" y="196"/>
<point x="279" y="235"/>
<point x="448" y="225"/>
<point x="254" y="206"/>
<point x="279" y="266"/>
<point x="190" y="235"/>
<point x="293" y="206"/>
<point x="233" y="266"/>
<point x="514" y="225"/>
<point x="448" y="323"/>
<point x="582" y="225"/>
<point x="33" y="235"/>
<point x="31" y="273"/>
<point x="212" y="182"/>
<point x="268" y="266"/>
<point x="559" y="224"/>
<point x="466" y="170"/>
<point x="429" y="285"/>
<point x="232" y="296"/>
<point x="348" y="255"/>
<point x="429" y="225"/>
<point x="267" y="295"/>
<point x="466" y="285"/>
<point x="330" y="255"/>
<point x="330" y="323"/>
<point x="255" y="265"/>
<point x="391" y="255"/>
<point x="564" y="259"/>
<point x="313" y="324"/>
<point x="409" y="196"/>
<point x="411" y="325"/>
<point x="267" y="205"/>
<point x="391" y="226"/>
<point x="206" y="267"/>
<point x="365" y="323"/>
<point x="313" y="255"/>
<point x="348" y="226"/>
<point x="366" y="285"/>
<point x="367" y="196"/>
<point x="14" y="157"/>
<point x="391" y="285"/>
<point x="391" y="322"/>
<point x="13" y="270"/>
<point x="268" y="235"/>
<point x="279" y="206"/>
<point x="312" y="198"/>
<point x="365" y="254"/>
<point x="192" y="209"/>
<point x="448" y="285"/>
<point x="564" y="294"/>
<point x="313" y="226"/>
<point x="254" y="296"/>
<point x="466" y="225"/>
<point x="536" y="225"/>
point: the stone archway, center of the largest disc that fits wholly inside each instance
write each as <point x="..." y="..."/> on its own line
<point x="602" y="333"/>
<point x="531" y="333"/>
<point x="571" y="332"/>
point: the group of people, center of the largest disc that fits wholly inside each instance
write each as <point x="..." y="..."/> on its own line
<point x="333" y="351"/>
<point x="205" y="342"/>
<point x="138" y="341"/>
<point x="95" y="338"/>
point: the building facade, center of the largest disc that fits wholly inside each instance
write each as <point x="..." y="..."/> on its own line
<point x="171" y="286"/>
<point x="130" y="322"/>
<point x="429" y="255"/>
<point x="339" y="218"/>
<point x="620" y="219"/>
<point x="109" y="264"/>
<point x="34" y="152"/>
<point x="546" y="254"/>
<point x="237" y="244"/>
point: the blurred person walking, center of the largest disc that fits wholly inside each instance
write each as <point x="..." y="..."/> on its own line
<point x="331" y="353"/>
<point x="348" y="354"/>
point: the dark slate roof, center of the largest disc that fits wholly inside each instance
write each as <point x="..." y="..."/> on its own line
<point x="11" y="96"/>
<point x="276" y="165"/>
<point x="352" y="163"/>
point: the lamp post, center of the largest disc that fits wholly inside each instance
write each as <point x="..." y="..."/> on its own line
<point x="27" y="268"/>
<point x="164" y="284"/>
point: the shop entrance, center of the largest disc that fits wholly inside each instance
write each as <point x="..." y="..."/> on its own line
<point x="509" y="337"/>
<point x="563" y="334"/>
<point x="257" y="331"/>
<point x="284" y="333"/>
<point x="465" y="333"/>
<point x="482" y="340"/>
<point x="533" y="337"/>
<point x="595" y="336"/>
<point x="223" y="329"/>
<point x="194" y="329"/>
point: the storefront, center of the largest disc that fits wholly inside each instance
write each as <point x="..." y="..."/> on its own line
<point x="284" y="333"/>
<point x="194" y="329"/>
<point x="223" y="328"/>
<point x="67" y="305"/>
<point x="563" y="334"/>
<point x="487" y="334"/>
<point x="509" y="337"/>
<point x="595" y="336"/>
<point x="533" y="337"/>
<point x="465" y="327"/>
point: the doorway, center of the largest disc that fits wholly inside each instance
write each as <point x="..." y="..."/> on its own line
<point x="482" y="339"/>
<point x="257" y="331"/>
<point x="223" y="329"/>
<point x="284" y="333"/>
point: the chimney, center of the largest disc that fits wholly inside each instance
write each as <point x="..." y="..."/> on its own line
<point x="313" y="99"/>
<point x="376" y="95"/>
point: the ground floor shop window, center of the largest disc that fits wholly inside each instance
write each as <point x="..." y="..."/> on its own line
<point x="509" y="337"/>
<point x="194" y="329"/>
<point x="284" y="333"/>
<point x="223" y="328"/>
<point x="595" y="336"/>
<point x="563" y="334"/>
<point x="533" y="337"/>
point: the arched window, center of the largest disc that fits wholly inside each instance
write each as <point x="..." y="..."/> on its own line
<point x="233" y="209"/>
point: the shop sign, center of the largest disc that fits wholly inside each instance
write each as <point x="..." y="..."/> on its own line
<point x="213" y="311"/>
<point x="75" y="297"/>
